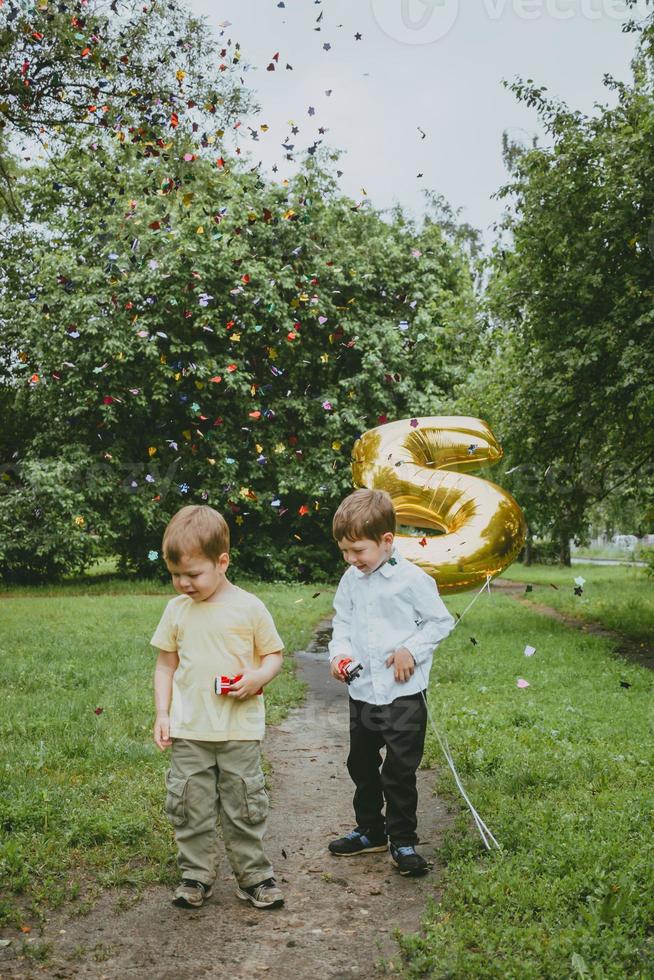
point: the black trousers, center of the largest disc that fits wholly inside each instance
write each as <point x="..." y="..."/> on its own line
<point x="400" y="727"/>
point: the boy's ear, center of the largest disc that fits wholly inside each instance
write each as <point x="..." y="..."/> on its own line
<point x="223" y="561"/>
<point x="388" y="537"/>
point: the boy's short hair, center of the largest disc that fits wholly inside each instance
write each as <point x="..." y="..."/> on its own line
<point x="196" y="528"/>
<point x="364" y="514"/>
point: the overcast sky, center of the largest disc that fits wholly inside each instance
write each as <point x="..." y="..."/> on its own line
<point x="434" y="66"/>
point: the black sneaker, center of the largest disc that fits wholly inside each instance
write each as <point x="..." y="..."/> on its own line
<point x="358" y="841"/>
<point x="192" y="894"/>
<point x="409" y="863"/>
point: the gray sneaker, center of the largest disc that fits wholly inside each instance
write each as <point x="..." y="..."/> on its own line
<point x="265" y="895"/>
<point x="192" y="894"/>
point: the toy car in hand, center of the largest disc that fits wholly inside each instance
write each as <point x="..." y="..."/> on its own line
<point x="349" y="669"/>
<point x="224" y="684"/>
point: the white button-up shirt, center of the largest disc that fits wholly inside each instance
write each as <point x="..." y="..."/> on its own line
<point x="397" y="605"/>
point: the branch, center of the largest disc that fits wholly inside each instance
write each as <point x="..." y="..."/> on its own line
<point x="649" y="454"/>
<point x="7" y="192"/>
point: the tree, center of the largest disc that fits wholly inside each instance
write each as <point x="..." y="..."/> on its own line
<point x="128" y="71"/>
<point x="569" y="356"/>
<point x="223" y="339"/>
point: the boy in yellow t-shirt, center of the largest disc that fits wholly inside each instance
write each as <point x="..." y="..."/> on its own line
<point x="218" y="648"/>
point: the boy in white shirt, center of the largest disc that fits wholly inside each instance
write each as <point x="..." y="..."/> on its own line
<point x="388" y="617"/>
<point x="218" y="648"/>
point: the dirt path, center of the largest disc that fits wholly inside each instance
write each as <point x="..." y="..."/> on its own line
<point x="639" y="653"/>
<point x="340" y="913"/>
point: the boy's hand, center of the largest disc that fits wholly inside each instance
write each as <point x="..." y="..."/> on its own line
<point x="162" y="737"/>
<point x="250" y="684"/>
<point x="334" y="671"/>
<point x="404" y="664"/>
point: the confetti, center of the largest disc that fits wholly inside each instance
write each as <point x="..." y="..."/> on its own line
<point x="522" y="683"/>
<point x="530" y="651"/>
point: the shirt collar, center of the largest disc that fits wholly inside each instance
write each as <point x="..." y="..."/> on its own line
<point x="387" y="569"/>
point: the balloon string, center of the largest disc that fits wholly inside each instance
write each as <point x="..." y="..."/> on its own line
<point x="485" y="834"/>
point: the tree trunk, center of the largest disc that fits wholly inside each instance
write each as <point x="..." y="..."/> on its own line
<point x="527" y="553"/>
<point x="564" y="549"/>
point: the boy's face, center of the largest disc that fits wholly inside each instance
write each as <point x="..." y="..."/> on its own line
<point x="197" y="576"/>
<point x="365" y="554"/>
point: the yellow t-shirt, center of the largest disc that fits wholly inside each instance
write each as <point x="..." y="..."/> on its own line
<point x="223" y="637"/>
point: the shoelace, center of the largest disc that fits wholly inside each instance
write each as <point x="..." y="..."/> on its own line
<point x="268" y="883"/>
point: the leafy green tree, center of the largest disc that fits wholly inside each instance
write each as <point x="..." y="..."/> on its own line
<point x="224" y="339"/>
<point x="127" y="70"/>
<point x="568" y="370"/>
<point x="175" y="328"/>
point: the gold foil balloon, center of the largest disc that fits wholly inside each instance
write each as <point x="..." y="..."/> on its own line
<point x="424" y="465"/>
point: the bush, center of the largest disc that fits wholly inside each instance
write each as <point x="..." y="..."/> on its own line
<point x="647" y="555"/>
<point x="237" y="366"/>
<point x="46" y="527"/>
<point x="544" y="552"/>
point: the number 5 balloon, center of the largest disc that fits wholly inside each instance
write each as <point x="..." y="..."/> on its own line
<point x="424" y="465"/>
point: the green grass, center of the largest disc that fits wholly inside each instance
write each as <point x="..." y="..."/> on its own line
<point x="109" y="583"/>
<point x="606" y="551"/>
<point x="563" y="774"/>
<point x="618" y="597"/>
<point x="82" y="793"/>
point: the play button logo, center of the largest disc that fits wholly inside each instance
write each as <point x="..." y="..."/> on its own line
<point x="416" y="21"/>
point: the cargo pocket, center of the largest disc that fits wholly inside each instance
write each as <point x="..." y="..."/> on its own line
<point x="176" y="807"/>
<point x="255" y="799"/>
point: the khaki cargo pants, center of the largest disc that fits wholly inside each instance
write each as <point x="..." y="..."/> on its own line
<point x="207" y="779"/>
